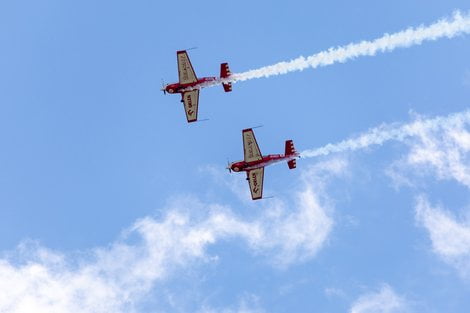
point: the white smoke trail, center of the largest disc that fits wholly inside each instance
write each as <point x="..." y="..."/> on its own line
<point x="457" y="25"/>
<point x="381" y="134"/>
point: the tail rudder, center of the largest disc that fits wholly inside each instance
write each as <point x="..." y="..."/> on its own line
<point x="225" y="73"/>
<point x="290" y="151"/>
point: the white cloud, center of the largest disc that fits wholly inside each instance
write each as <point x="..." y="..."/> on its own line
<point x="248" y="303"/>
<point x="383" y="301"/>
<point x="332" y="292"/>
<point x="440" y="151"/>
<point x="450" y="237"/>
<point x="117" y="277"/>
<point x="445" y="152"/>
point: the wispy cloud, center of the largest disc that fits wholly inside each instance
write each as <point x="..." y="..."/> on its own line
<point x="440" y="148"/>
<point x="383" y="301"/>
<point x="117" y="277"/>
<point x="442" y="153"/>
<point x="332" y="292"/>
<point x="247" y="304"/>
<point x="450" y="236"/>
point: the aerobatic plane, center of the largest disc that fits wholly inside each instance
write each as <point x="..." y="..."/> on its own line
<point x="254" y="162"/>
<point x="189" y="85"/>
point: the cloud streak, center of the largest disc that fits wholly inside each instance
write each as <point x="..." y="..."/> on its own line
<point x="442" y="149"/>
<point x="117" y="278"/>
<point x="384" y="301"/>
<point x="450" y="237"/>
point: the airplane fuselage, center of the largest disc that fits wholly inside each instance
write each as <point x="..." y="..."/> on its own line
<point x="180" y="88"/>
<point x="242" y="166"/>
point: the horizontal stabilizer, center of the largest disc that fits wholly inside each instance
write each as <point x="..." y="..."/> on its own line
<point x="292" y="164"/>
<point x="227" y="87"/>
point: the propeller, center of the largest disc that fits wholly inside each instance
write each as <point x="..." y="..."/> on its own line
<point x="228" y="166"/>
<point x="163" y="87"/>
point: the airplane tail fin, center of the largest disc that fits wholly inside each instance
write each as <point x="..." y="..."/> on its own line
<point x="225" y="73"/>
<point x="290" y="150"/>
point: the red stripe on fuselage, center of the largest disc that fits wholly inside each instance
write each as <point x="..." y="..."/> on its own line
<point x="180" y="88"/>
<point x="265" y="161"/>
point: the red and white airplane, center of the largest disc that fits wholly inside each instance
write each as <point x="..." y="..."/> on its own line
<point x="189" y="85"/>
<point x="254" y="162"/>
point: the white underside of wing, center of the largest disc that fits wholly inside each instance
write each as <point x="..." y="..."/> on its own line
<point x="255" y="179"/>
<point x="250" y="147"/>
<point x="186" y="72"/>
<point x="191" y="102"/>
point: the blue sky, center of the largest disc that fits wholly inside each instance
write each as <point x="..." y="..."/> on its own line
<point x="111" y="202"/>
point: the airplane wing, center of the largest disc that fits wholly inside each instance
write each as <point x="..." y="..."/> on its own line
<point x="191" y="101"/>
<point x="250" y="146"/>
<point x="185" y="69"/>
<point x="255" y="179"/>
